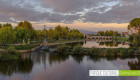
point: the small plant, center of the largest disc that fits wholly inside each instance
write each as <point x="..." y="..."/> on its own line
<point x="77" y="50"/>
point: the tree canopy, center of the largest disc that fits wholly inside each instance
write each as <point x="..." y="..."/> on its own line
<point x="7" y="35"/>
<point x="108" y="33"/>
<point x="134" y="25"/>
<point x="25" y="24"/>
<point x="24" y="32"/>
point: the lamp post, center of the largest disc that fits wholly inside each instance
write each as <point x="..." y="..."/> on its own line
<point x="44" y="34"/>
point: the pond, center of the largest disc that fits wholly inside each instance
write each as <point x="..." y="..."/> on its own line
<point x="45" y="66"/>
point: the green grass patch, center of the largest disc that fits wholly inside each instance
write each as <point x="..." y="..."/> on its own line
<point x="62" y="41"/>
<point x="23" y="47"/>
<point x="120" y="39"/>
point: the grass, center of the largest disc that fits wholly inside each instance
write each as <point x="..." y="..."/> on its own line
<point x="120" y="39"/>
<point x="62" y="41"/>
<point x="23" y="47"/>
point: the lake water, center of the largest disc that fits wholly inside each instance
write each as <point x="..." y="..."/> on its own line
<point x="44" y="66"/>
<point x="101" y="44"/>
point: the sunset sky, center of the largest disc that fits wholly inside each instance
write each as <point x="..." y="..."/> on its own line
<point x="91" y="15"/>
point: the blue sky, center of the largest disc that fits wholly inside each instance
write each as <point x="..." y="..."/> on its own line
<point x="92" y="15"/>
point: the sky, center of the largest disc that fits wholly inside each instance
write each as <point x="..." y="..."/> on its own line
<point x="90" y="15"/>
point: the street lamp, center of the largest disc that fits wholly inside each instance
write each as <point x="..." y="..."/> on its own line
<point x="44" y="34"/>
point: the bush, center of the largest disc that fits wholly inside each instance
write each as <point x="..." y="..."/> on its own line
<point x="123" y="51"/>
<point x="95" y="51"/>
<point x="77" y="50"/>
<point x="112" y="52"/>
<point x="11" y="50"/>
<point x="62" y="49"/>
<point x="9" y="54"/>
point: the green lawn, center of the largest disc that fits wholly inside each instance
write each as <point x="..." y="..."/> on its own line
<point x="23" y="47"/>
<point x="63" y="41"/>
<point x="121" y="39"/>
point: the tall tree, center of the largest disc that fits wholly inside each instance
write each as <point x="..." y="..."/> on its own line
<point x="0" y="25"/>
<point x="51" y="33"/>
<point x="7" y="25"/>
<point x="134" y="25"/>
<point x="23" y="34"/>
<point x="25" y="24"/>
<point x="7" y="35"/>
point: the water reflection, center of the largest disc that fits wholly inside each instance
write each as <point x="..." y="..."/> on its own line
<point x="78" y="58"/>
<point x="101" y="44"/>
<point x="57" y="58"/>
<point x="42" y="66"/>
<point x="16" y="66"/>
<point x="106" y="44"/>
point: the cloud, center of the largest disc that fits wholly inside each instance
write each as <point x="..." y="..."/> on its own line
<point x="69" y="11"/>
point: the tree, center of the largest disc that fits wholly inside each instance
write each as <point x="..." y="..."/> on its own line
<point x="115" y="33"/>
<point x="107" y="33"/>
<point x="51" y="33"/>
<point x="0" y="25"/>
<point x="27" y="25"/>
<point x="135" y="41"/>
<point x="40" y="35"/>
<point x="7" y="25"/>
<point x="111" y="33"/>
<point x="134" y="25"/>
<point x="23" y="34"/>
<point x="58" y="32"/>
<point x="101" y="33"/>
<point x="7" y="35"/>
<point x="65" y="32"/>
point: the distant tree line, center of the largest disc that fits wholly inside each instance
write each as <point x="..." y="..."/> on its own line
<point x="60" y="33"/>
<point x="24" y="32"/>
<point x="108" y="33"/>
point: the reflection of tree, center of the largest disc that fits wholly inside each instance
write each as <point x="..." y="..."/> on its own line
<point x="57" y="58"/>
<point x="110" y="44"/>
<point x="39" y="57"/>
<point x="78" y="58"/>
<point x="75" y="43"/>
<point x="111" y="58"/>
<point x="134" y="65"/>
<point x="16" y="66"/>
<point x="95" y="58"/>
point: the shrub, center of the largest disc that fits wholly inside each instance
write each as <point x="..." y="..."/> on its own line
<point x="77" y="50"/>
<point x="94" y="51"/>
<point x="123" y="51"/>
<point x="11" y="50"/>
<point x="62" y="49"/>
<point x="110" y="52"/>
<point x="131" y="51"/>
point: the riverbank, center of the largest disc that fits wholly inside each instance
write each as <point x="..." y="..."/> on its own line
<point x="33" y="47"/>
<point x="79" y="50"/>
<point x="9" y="54"/>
